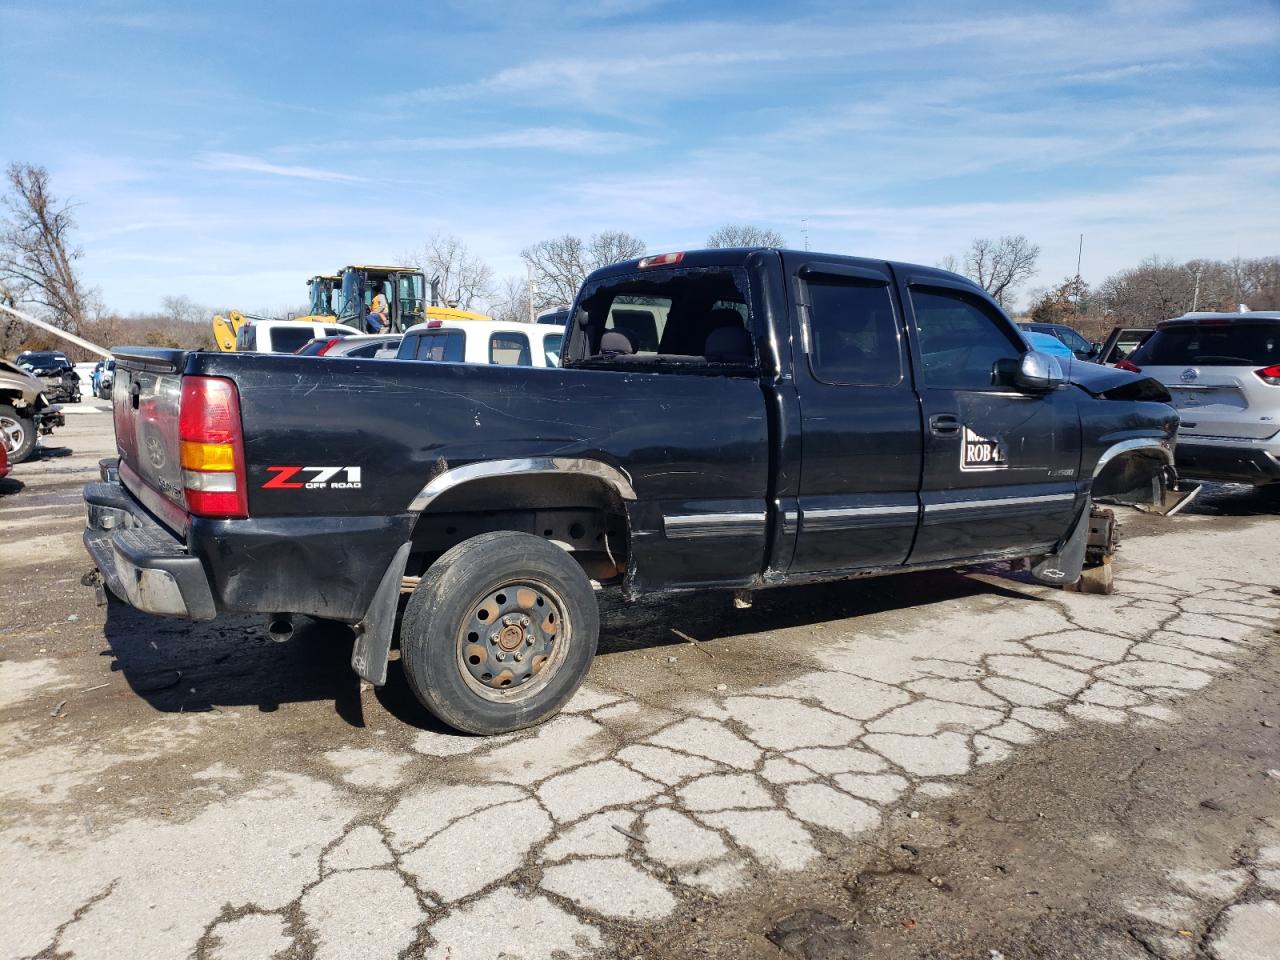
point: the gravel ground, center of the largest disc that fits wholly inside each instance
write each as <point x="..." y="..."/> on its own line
<point x="932" y="765"/>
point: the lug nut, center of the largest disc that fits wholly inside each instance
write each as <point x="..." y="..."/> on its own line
<point x="528" y="640"/>
<point x="524" y="621"/>
<point x="502" y="656"/>
<point x="519" y="657"/>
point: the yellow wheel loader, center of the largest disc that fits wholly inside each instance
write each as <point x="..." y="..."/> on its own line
<point x="347" y="296"/>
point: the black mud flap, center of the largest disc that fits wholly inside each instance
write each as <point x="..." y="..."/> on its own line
<point x="1063" y="568"/>
<point x="374" y="632"/>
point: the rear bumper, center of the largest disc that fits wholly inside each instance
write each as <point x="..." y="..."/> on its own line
<point x="1230" y="462"/>
<point x="328" y="567"/>
<point x="141" y="562"/>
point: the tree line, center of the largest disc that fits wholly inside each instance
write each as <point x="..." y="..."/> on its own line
<point x="39" y="257"/>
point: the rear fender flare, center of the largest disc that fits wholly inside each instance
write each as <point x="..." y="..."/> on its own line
<point x="453" y="477"/>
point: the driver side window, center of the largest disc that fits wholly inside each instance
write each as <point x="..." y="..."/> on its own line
<point x="961" y="338"/>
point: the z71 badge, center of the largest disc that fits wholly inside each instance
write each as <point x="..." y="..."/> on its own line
<point x="979" y="453"/>
<point x="312" y="478"/>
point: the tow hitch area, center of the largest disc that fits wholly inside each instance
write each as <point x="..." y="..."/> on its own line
<point x="94" y="579"/>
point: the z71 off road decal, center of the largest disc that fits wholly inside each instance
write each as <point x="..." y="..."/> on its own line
<point x="312" y="478"/>
<point x="979" y="453"/>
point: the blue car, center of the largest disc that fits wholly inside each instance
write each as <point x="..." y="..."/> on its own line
<point x="1048" y="343"/>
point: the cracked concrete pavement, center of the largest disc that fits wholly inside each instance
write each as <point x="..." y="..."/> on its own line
<point x="175" y="790"/>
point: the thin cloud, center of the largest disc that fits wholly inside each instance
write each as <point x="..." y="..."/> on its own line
<point x="1123" y="73"/>
<point x="576" y="140"/>
<point x="238" y="163"/>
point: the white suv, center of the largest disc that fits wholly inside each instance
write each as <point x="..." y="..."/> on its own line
<point x="1223" y="370"/>
<point x="483" y="341"/>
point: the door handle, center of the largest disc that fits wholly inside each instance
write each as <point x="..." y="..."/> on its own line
<point x="944" y="424"/>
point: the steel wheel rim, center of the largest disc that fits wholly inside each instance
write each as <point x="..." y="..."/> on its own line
<point x="494" y="633"/>
<point x="13" y="433"/>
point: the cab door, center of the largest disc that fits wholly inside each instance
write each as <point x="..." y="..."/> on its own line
<point x="858" y="500"/>
<point x="1000" y="465"/>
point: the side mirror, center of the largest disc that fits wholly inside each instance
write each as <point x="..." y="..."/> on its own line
<point x="1034" y="372"/>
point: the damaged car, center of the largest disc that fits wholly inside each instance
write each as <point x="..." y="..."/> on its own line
<point x="25" y="411"/>
<point x="735" y="420"/>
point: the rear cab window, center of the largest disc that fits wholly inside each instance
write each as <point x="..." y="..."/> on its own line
<point x="510" y="350"/>
<point x="694" y="319"/>
<point x="1230" y="344"/>
<point x="441" y="346"/>
<point x="289" y="339"/>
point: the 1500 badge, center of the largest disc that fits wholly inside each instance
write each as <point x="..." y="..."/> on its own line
<point x="312" y="478"/>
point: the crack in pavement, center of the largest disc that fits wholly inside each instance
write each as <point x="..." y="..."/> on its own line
<point x="625" y="810"/>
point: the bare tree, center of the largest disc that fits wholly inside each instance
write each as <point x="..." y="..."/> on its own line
<point x="465" y="279"/>
<point x="185" y="310"/>
<point x="1000" y="266"/>
<point x="745" y="235"/>
<point x="561" y="264"/>
<point x="511" y="301"/>
<point x="613" y="246"/>
<point x="37" y="256"/>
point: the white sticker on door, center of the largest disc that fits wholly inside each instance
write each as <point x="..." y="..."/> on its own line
<point x="979" y="453"/>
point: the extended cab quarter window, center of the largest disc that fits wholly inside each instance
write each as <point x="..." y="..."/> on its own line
<point x="677" y="318"/>
<point x="853" y="334"/>
<point x="961" y="338"/>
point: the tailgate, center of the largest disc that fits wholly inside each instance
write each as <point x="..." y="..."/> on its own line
<point x="145" y="400"/>
<point x="1216" y="403"/>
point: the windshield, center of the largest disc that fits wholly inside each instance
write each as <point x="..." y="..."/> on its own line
<point x="320" y="296"/>
<point x="1073" y="339"/>
<point x="1211" y="345"/>
<point x="350" y="303"/>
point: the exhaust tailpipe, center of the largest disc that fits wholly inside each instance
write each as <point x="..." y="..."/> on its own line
<point x="280" y="627"/>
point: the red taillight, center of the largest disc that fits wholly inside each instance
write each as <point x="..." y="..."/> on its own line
<point x="660" y="260"/>
<point x="212" y="448"/>
<point x="328" y="345"/>
<point x="1270" y="374"/>
<point x="1127" y="365"/>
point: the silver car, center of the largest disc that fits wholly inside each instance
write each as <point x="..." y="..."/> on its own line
<point x="1223" y="370"/>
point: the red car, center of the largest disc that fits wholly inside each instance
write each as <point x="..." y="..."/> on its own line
<point x="4" y="461"/>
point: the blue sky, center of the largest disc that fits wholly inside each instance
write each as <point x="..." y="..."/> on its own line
<point x="228" y="151"/>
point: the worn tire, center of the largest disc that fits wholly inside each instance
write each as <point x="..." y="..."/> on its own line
<point x="10" y="418"/>
<point x="445" y="605"/>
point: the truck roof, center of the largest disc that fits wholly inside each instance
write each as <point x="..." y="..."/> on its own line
<point x="737" y="256"/>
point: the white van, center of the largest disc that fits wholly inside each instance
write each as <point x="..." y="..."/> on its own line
<point x="483" y="341"/>
<point x="283" y="336"/>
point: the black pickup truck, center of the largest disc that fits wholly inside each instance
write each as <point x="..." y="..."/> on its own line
<point x="735" y="419"/>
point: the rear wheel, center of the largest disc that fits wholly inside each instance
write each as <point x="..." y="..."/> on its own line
<point x="18" y="433"/>
<point x="500" y="633"/>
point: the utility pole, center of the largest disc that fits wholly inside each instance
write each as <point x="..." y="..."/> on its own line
<point x="1079" y="257"/>
<point x="533" y="295"/>
<point x="804" y="231"/>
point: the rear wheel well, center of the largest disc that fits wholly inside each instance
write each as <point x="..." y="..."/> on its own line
<point x="582" y="515"/>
